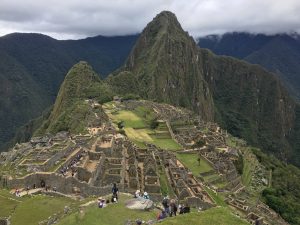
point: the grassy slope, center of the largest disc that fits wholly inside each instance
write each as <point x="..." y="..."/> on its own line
<point x="8" y="203"/>
<point x="38" y="208"/>
<point x="112" y="214"/>
<point x="118" y="214"/>
<point x="137" y="127"/>
<point x="190" y="161"/>
<point x="213" y="216"/>
<point x="31" y="210"/>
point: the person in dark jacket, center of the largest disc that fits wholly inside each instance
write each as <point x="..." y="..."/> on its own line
<point x="173" y="208"/>
<point x="115" y="191"/>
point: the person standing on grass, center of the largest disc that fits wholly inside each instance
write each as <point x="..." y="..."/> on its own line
<point x="173" y="208"/>
<point x="115" y="191"/>
<point x="165" y="203"/>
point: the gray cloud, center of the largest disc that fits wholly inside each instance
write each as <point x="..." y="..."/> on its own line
<point x="77" y="18"/>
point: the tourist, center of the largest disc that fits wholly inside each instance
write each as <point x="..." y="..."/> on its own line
<point x="139" y="222"/>
<point x="114" y="198"/>
<point x="180" y="207"/>
<point x="165" y="203"/>
<point x="162" y="215"/>
<point x="17" y="193"/>
<point x="101" y="203"/>
<point x="137" y="194"/>
<point x="146" y="195"/>
<point x="186" y="209"/>
<point x="115" y="191"/>
<point x="173" y="208"/>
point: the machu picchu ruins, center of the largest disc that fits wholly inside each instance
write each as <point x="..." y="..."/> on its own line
<point x="88" y="164"/>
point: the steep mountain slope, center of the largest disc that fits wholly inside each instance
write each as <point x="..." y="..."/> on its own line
<point x="164" y="67"/>
<point x="278" y="53"/>
<point x="251" y="103"/>
<point x="33" y="66"/>
<point x="21" y="99"/>
<point x="71" y="111"/>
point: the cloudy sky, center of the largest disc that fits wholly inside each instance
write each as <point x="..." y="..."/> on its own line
<point x="73" y="19"/>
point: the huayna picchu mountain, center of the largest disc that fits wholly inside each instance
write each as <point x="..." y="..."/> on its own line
<point x="167" y="65"/>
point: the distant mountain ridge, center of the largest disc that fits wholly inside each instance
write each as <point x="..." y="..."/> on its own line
<point x="33" y="66"/>
<point x="278" y="53"/>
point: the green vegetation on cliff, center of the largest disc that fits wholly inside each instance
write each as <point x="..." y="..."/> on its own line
<point x="163" y="66"/>
<point x="72" y="111"/>
<point x="284" y="194"/>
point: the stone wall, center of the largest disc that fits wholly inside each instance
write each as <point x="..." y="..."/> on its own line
<point x="62" y="184"/>
<point x="98" y="172"/>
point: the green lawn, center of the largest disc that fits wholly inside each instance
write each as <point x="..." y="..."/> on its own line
<point x="38" y="208"/>
<point x="213" y="216"/>
<point x="137" y="128"/>
<point x="190" y="161"/>
<point x="112" y="214"/>
<point x="7" y="206"/>
<point x="130" y="119"/>
<point x="31" y="210"/>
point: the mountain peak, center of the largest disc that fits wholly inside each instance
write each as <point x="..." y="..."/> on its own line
<point x="165" y="64"/>
<point x="79" y="78"/>
<point x="164" y="21"/>
<point x="166" y="15"/>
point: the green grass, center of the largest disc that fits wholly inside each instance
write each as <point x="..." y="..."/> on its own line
<point x="38" y="208"/>
<point x="130" y="119"/>
<point x="7" y="206"/>
<point x="250" y="162"/>
<point x="218" y="198"/>
<point x="112" y="214"/>
<point x="213" y="216"/>
<point x="165" y="186"/>
<point x="31" y="210"/>
<point x="190" y="161"/>
<point x="166" y="143"/>
<point x="137" y="128"/>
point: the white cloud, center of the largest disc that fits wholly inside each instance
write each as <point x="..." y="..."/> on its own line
<point x="77" y="18"/>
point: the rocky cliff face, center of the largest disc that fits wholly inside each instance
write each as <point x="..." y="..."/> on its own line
<point x="251" y="102"/>
<point x="164" y="64"/>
